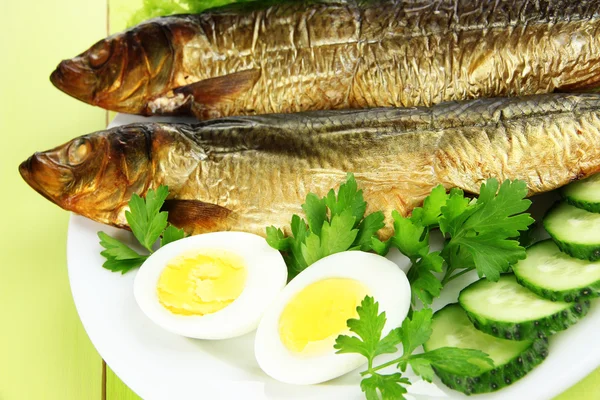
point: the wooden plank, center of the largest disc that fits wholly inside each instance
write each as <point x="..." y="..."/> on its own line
<point x="587" y="389"/>
<point x="116" y="389"/>
<point x="119" y="12"/>
<point x="44" y="352"/>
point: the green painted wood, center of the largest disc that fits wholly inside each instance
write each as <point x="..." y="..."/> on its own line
<point x="116" y="389"/>
<point x="587" y="389"/>
<point x="44" y="351"/>
<point x="119" y="12"/>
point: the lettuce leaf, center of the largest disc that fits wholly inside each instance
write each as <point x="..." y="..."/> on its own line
<point x="159" y="8"/>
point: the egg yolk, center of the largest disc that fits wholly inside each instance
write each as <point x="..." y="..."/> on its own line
<point x="312" y="320"/>
<point x="201" y="283"/>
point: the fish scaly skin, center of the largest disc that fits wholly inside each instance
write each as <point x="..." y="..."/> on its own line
<point x="246" y="173"/>
<point x="282" y="57"/>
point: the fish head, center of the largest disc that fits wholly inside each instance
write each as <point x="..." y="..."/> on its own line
<point x="94" y="175"/>
<point x="120" y="73"/>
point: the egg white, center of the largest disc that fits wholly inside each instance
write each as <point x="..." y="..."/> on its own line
<point x="384" y="281"/>
<point x="266" y="276"/>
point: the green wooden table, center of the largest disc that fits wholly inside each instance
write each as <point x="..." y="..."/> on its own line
<point x="44" y="350"/>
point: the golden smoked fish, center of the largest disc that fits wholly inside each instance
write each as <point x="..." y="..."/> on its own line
<point x="281" y="57"/>
<point x="246" y="173"/>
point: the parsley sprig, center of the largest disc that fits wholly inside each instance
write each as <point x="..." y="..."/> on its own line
<point x="480" y="235"/>
<point x="413" y="333"/>
<point x="147" y="223"/>
<point x="334" y="223"/>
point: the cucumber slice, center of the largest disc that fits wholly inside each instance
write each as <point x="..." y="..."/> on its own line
<point x="512" y="358"/>
<point x="584" y="194"/>
<point x="508" y="310"/>
<point x="575" y="231"/>
<point x="557" y="276"/>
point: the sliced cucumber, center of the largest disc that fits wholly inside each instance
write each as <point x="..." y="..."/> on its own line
<point x="575" y="231"/>
<point x="557" y="276"/>
<point x="508" y="310"/>
<point x="584" y="194"/>
<point x="512" y="358"/>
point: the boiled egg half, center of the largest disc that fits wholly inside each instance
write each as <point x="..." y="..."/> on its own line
<point x="294" y="341"/>
<point x="210" y="286"/>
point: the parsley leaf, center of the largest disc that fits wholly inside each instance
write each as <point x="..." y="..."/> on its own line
<point x="367" y="230"/>
<point x="368" y="327"/>
<point x="421" y="367"/>
<point x="147" y="223"/>
<point x="145" y="219"/>
<point x="454" y="360"/>
<point x="335" y="237"/>
<point x="391" y="387"/>
<point x="500" y="214"/>
<point x="295" y="259"/>
<point x="429" y="214"/>
<point x="413" y="333"/>
<point x="530" y="236"/>
<point x="334" y="223"/>
<point x="316" y="212"/>
<point x="411" y="238"/>
<point x="154" y="200"/>
<point x="491" y="256"/>
<point x="277" y="240"/>
<point x="416" y="330"/>
<point x="116" y="249"/>
<point x="171" y="234"/>
<point x="119" y="256"/>
<point x="481" y="231"/>
<point x="423" y="283"/>
<point x="348" y="198"/>
<point x="457" y="206"/>
<point x="479" y="235"/>
<point x="123" y="266"/>
<point x="379" y="247"/>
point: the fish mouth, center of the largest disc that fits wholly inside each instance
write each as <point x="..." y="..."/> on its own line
<point x="27" y="175"/>
<point x="76" y="79"/>
<point x="44" y="177"/>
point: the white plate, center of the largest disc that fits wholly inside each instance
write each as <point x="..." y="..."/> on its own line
<point x="160" y="365"/>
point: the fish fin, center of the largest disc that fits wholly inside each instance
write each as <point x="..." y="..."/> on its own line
<point x="194" y="216"/>
<point x="212" y="91"/>
<point x="591" y="85"/>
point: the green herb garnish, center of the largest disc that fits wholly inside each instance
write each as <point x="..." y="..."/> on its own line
<point x="147" y="223"/>
<point x="479" y="235"/>
<point x="159" y="8"/>
<point x="336" y="223"/>
<point x="414" y="331"/>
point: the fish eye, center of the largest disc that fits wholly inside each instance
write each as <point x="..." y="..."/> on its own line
<point x="99" y="54"/>
<point x="78" y="151"/>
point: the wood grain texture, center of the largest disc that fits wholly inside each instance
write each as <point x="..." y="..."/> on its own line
<point x="119" y="12"/>
<point x="116" y="389"/>
<point x="44" y="350"/>
<point x="587" y="389"/>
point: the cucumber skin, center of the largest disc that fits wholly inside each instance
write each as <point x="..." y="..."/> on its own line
<point x="569" y="296"/>
<point x="585" y="205"/>
<point x="589" y="252"/>
<point x="530" y="330"/>
<point x="498" y="377"/>
<point x="582" y="251"/>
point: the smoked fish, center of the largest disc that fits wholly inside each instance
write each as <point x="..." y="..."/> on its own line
<point x="246" y="173"/>
<point x="293" y="56"/>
